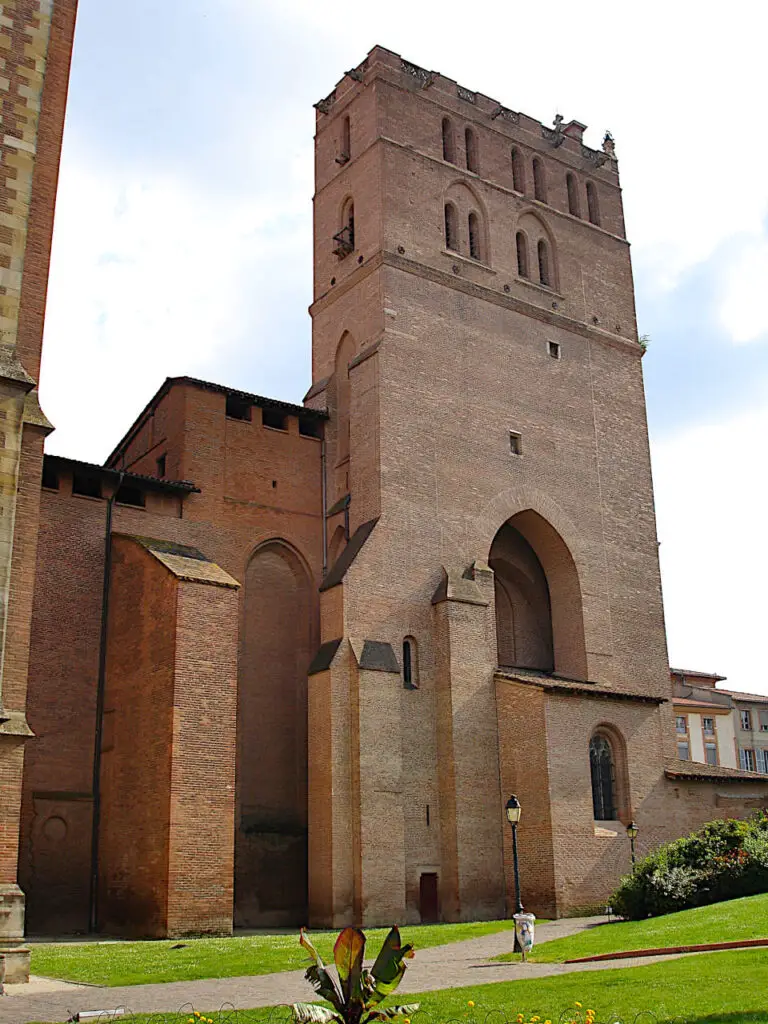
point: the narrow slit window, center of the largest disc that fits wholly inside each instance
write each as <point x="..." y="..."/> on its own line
<point x="344" y="149"/>
<point x="474" y="237"/>
<point x="448" y="147"/>
<point x="410" y="664"/>
<point x="161" y="465"/>
<point x="573" y="195"/>
<point x="522" y="254"/>
<point x="470" y="141"/>
<point x="593" y="208"/>
<point x="516" y="442"/>
<point x="544" y="271"/>
<point x="539" y="182"/>
<point x="518" y="172"/>
<point x="451" y="227"/>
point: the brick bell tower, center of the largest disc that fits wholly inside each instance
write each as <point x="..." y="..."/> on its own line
<point x="491" y="612"/>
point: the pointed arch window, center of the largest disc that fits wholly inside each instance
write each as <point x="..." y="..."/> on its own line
<point x="451" y="227"/>
<point x="475" y="246"/>
<point x="539" y="181"/>
<point x="518" y="171"/>
<point x="345" y="239"/>
<point x="470" y="141"/>
<point x="545" y="276"/>
<point x="573" y="195"/>
<point x="449" y="153"/>
<point x="410" y="664"/>
<point x="593" y="208"/>
<point x="522" y="254"/>
<point x="602" y="766"/>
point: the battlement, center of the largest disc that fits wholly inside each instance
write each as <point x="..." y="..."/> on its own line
<point x="467" y="103"/>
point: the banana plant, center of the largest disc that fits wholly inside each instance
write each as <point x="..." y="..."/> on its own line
<point x="356" y="997"/>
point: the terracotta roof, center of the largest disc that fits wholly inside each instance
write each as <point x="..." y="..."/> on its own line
<point x="757" y="698"/>
<point x="697" y="772"/>
<point x="553" y="683"/>
<point x="699" y="675"/>
<point x="692" y="702"/>
<point x="157" y="483"/>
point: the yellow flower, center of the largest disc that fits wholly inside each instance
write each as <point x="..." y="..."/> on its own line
<point x="578" y="1004"/>
<point x="471" y="1002"/>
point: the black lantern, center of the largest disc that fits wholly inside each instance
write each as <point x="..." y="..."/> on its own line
<point x="632" y="831"/>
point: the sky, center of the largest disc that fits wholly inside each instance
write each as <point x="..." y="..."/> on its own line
<point x="182" y="242"/>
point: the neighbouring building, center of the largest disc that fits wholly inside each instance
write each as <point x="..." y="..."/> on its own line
<point x="704" y="724"/>
<point x="36" y="44"/>
<point x="289" y="662"/>
<point x="750" y="725"/>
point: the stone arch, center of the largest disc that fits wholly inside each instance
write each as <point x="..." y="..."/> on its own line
<point x="278" y="637"/>
<point x="535" y="524"/>
<point x="466" y="200"/>
<point x="523" y="612"/>
<point x="535" y="230"/>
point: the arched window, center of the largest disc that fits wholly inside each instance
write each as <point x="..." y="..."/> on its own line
<point x="448" y="147"/>
<point x="346" y="151"/>
<point x="451" y="227"/>
<point x="475" y="246"/>
<point x="522" y="254"/>
<point x="344" y="355"/>
<point x="345" y="239"/>
<point x="543" y="254"/>
<point x="539" y="182"/>
<point x="471" y="148"/>
<point x="603" y="770"/>
<point x="518" y="171"/>
<point x="573" y="195"/>
<point x="592" y="205"/>
<point x="410" y="664"/>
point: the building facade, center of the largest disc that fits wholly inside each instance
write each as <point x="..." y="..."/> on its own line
<point x="704" y="723"/>
<point x="36" y="37"/>
<point x="307" y="652"/>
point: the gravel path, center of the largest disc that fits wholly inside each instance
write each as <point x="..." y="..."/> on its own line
<point x="451" y="966"/>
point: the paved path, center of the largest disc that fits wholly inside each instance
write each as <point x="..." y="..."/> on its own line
<point x="451" y="966"/>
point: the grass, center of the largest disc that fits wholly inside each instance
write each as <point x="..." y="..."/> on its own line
<point x="147" y="962"/>
<point x="721" y="922"/>
<point x="713" y="988"/>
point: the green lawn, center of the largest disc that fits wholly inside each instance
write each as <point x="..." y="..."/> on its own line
<point x="721" y="922"/>
<point x="713" y="988"/>
<point x="141" y="963"/>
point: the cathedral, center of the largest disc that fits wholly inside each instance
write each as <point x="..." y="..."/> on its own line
<point x="287" y="663"/>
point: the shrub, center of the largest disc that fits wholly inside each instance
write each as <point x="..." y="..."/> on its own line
<point x="723" y="860"/>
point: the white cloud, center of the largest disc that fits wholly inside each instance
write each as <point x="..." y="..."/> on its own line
<point x="743" y="309"/>
<point x="711" y="498"/>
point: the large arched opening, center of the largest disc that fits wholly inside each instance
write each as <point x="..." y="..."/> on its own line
<point x="539" y="616"/>
<point x="271" y="824"/>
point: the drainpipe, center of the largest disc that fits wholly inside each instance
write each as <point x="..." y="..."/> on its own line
<point x="325" y="507"/>
<point x="96" y="781"/>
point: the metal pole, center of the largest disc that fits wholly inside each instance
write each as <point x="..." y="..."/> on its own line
<point x="517" y="948"/>
<point x="632" y="849"/>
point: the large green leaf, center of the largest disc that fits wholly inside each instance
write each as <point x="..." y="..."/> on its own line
<point x="388" y="969"/>
<point x="390" y="1012"/>
<point x="348" y="955"/>
<point x="313" y="1013"/>
<point x="318" y="976"/>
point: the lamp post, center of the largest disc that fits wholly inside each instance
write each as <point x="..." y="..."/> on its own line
<point x="632" y="831"/>
<point x="513" y="810"/>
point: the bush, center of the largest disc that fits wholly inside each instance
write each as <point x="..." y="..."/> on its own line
<point x="722" y="861"/>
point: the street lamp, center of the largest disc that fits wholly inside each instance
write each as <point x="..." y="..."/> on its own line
<point x="632" y="831"/>
<point x="513" y="810"/>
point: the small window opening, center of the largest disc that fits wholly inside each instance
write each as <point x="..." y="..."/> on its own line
<point x="516" y="442"/>
<point x="86" y="484"/>
<point x="161" y="465"/>
<point x="274" y="484"/>
<point x="451" y="227"/>
<point x="410" y="666"/>
<point x="543" y="253"/>
<point x="448" y="147"/>
<point x="273" y="419"/>
<point x="518" y="172"/>
<point x="129" y="495"/>
<point x="427" y="815"/>
<point x="573" y="195"/>
<point x="345" y="239"/>
<point x="522" y="255"/>
<point x="592" y="204"/>
<point x="474" y="237"/>
<point x="309" y="428"/>
<point x="238" y="408"/>
<point x="471" y="148"/>
<point x="602" y="768"/>
<point x="345" y="149"/>
<point x="50" y="476"/>
<point x="539" y="184"/>
<point x="553" y="347"/>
